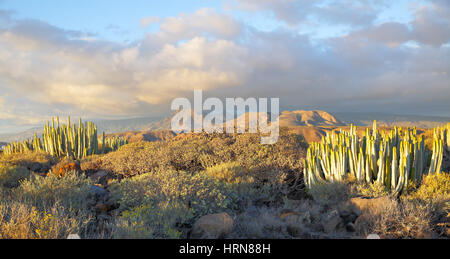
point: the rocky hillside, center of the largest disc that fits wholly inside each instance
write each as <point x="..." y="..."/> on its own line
<point x="150" y="136"/>
<point x="308" y="118"/>
<point x="390" y="120"/>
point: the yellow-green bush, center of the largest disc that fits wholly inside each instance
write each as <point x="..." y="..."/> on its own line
<point x="22" y="221"/>
<point x="198" y="152"/>
<point x="152" y="221"/>
<point x="27" y="159"/>
<point x="200" y="194"/>
<point x="434" y="186"/>
<point x="70" y="191"/>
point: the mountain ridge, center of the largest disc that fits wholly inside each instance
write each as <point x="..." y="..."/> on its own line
<point x="144" y="126"/>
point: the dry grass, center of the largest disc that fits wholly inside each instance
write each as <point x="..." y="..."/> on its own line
<point x="406" y="219"/>
<point x="22" y="221"/>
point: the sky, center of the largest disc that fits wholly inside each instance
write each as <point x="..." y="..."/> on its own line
<point x="118" y="59"/>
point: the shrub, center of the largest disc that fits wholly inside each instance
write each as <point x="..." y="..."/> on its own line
<point x="11" y="176"/>
<point x="28" y="159"/>
<point x="200" y="194"/>
<point x="434" y="186"/>
<point x="197" y="152"/>
<point x="22" y="221"/>
<point x="151" y="221"/>
<point x="406" y="219"/>
<point x="70" y="191"/>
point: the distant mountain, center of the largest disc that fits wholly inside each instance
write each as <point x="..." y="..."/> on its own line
<point x="21" y="135"/>
<point x="383" y="119"/>
<point x="308" y="123"/>
<point x="107" y="126"/>
<point x="308" y="118"/>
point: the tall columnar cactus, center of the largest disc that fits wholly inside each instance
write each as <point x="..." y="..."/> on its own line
<point x="441" y="145"/>
<point x="75" y="141"/>
<point x="388" y="158"/>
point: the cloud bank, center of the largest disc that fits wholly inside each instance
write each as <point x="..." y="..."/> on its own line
<point x="388" y="67"/>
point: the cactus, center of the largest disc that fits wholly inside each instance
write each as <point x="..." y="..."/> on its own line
<point x="441" y="145"/>
<point x="76" y="141"/>
<point x="391" y="158"/>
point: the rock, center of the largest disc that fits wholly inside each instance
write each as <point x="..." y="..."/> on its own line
<point x="363" y="205"/>
<point x="332" y="222"/>
<point x="101" y="177"/>
<point x="350" y="227"/>
<point x="373" y="236"/>
<point x="73" y="236"/>
<point x="36" y="167"/>
<point x="98" y="192"/>
<point x="349" y="213"/>
<point x="213" y="226"/>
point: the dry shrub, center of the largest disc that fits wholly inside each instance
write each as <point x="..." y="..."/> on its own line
<point x="28" y="159"/>
<point x="22" y="221"/>
<point x="393" y="219"/>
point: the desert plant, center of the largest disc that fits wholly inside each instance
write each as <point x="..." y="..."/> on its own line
<point x="389" y="158"/>
<point x="76" y="141"/>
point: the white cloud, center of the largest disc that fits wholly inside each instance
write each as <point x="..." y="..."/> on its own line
<point x="48" y="70"/>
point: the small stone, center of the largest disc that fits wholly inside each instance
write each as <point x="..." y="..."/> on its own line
<point x="73" y="236"/>
<point x="373" y="236"/>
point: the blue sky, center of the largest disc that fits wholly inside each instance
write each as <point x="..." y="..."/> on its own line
<point x="116" y="59"/>
<point x="119" y="20"/>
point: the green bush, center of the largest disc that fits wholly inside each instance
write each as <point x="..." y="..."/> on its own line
<point x="194" y="153"/>
<point x="23" y="221"/>
<point x="202" y="195"/>
<point x="70" y="191"/>
<point x="151" y="221"/>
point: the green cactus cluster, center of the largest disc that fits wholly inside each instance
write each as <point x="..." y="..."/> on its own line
<point x="441" y="144"/>
<point x="71" y="140"/>
<point x="390" y="158"/>
<point x="112" y="143"/>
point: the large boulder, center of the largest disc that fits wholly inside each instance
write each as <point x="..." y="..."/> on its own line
<point x="213" y="226"/>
